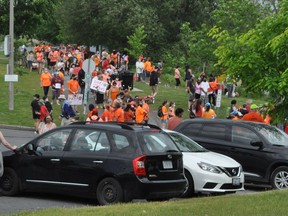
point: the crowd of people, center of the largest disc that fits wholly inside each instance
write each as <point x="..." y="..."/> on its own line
<point x="115" y="103"/>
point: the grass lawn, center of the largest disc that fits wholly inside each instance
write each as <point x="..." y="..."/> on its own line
<point x="29" y="84"/>
<point x="263" y="204"/>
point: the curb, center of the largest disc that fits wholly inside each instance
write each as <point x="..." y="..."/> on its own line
<point x="15" y="127"/>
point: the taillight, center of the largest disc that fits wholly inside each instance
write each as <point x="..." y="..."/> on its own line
<point x="139" y="166"/>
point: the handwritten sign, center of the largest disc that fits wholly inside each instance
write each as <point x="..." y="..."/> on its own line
<point x="76" y="99"/>
<point x="98" y="85"/>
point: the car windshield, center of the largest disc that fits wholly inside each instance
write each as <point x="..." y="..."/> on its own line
<point x="185" y="144"/>
<point x="157" y="142"/>
<point x="274" y="135"/>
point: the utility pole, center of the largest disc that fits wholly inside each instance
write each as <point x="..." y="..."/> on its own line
<point x="11" y="56"/>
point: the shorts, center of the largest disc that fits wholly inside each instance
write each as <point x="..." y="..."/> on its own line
<point x="52" y="63"/>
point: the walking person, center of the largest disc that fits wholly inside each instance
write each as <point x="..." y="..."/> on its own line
<point x="57" y="84"/>
<point x="140" y="70"/>
<point x="36" y="111"/>
<point x="45" y="81"/>
<point x="154" y="82"/>
<point x="177" y="76"/>
<point x="164" y="118"/>
<point x="68" y="114"/>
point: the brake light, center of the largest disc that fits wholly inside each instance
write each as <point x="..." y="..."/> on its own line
<point x="139" y="166"/>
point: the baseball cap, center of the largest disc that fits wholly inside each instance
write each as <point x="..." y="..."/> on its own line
<point x="254" y="106"/>
<point x="207" y="104"/>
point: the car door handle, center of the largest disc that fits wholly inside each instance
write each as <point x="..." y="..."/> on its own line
<point x="55" y="160"/>
<point x="98" y="162"/>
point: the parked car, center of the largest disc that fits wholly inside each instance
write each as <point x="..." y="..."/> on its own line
<point x="206" y="171"/>
<point x="261" y="149"/>
<point x="112" y="162"/>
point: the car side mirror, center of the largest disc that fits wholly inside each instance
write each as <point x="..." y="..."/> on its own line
<point x="256" y="143"/>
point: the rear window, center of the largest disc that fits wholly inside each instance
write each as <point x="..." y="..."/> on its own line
<point x="157" y="142"/>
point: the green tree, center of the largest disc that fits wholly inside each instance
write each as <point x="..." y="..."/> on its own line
<point x="28" y="16"/>
<point x="259" y="58"/>
<point x="136" y="42"/>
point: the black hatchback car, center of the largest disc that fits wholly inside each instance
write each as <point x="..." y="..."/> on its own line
<point x="112" y="162"/>
<point x="261" y="149"/>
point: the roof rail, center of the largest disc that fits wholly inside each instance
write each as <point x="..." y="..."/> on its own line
<point x="124" y="125"/>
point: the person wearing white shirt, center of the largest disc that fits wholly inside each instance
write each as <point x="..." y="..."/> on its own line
<point x="204" y="90"/>
<point x="140" y="70"/>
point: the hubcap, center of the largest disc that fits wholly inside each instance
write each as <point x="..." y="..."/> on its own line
<point x="281" y="180"/>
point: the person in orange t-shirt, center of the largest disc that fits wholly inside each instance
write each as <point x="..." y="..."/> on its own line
<point x="118" y="112"/>
<point x="164" y="118"/>
<point x="106" y="115"/>
<point x="129" y="115"/>
<point x="208" y="112"/>
<point x="73" y="88"/>
<point x="140" y="113"/>
<point x="113" y="91"/>
<point x="253" y="115"/>
<point x="45" y="81"/>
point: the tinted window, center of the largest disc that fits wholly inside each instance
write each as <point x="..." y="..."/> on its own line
<point x="53" y="141"/>
<point x="213" y="131"/>
<point x="191" y="129"/>
<point x="185" y="144"/>
<point x="156" y="142"/>
<point x="243" y="136"/>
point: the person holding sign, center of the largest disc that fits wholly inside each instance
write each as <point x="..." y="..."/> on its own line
<point x="73" y="88"/>
<point x="57" y="84"/>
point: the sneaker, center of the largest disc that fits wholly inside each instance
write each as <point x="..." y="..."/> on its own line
<point x="36" y="132"/>
<point x="52" y="103"/>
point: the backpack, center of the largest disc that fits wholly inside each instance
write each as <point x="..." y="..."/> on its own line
<point x="159" y="112"/>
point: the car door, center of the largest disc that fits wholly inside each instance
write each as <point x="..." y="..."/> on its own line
<point x="84" y="162"/>
<point x="252" y="158"/>
<point x="40" y="161"/>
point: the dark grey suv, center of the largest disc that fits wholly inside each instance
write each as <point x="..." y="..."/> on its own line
<point x="111" y="162"/>
<point x="261" y="149"/>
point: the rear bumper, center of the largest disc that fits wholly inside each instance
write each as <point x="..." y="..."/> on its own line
<point x="145" y="189"/>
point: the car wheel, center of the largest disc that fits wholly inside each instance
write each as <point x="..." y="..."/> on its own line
<point x="189" y="189"/>
<point x="9" y="183"/>
<point x="109" y="191"/>
<point x="279" y="178"/>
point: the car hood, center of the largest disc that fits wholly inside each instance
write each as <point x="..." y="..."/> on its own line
<point x="209" y="157"/>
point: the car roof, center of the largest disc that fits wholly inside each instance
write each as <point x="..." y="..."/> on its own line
<point x="131" y="126"/>
<point x="224" y="121"/>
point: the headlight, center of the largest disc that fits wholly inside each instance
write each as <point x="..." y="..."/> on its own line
<point x="209" y="168"/>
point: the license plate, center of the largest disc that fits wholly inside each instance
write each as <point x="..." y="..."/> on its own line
<point x="167" y="164"/>
<point x="236" y="181"/>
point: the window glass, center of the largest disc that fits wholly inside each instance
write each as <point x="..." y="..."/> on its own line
<point x="243" y="136"/>
<point x="213" y="131"/>
<point x="157" y="142"/>
<point x="53" y="141"/>
<point x="122" y="143"/>
<point x="273" y="134"/>
<point x="103" y="145"/>
<point x="85" y="140"/>
<point x="191" y="129"/>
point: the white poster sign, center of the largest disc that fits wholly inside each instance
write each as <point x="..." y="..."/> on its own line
<point x="98" y="85"/>
<point x="76" y="99"/>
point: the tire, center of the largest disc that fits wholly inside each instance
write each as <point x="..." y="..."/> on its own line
<point x="9" y="183"/>
<point x="279" y="178"/>
<point x="109" y="191"/>
<point x="189" y="189"/>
